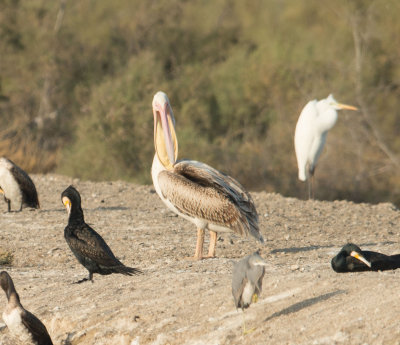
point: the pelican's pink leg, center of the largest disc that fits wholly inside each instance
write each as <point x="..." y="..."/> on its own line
<point x="213" y="243"/>
<point x="198" y="255"/>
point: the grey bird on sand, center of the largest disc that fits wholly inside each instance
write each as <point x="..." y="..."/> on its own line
<point x="247" y="277"/>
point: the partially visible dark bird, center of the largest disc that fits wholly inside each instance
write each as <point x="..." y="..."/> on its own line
<point x="16" y="185"/>
<point x="87" y="245"/>
<point x="23" y="325"/>
<point x="247" y="277"/>
<point x="352" y="259"/>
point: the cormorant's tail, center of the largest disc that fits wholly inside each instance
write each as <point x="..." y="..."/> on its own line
<point x="129" y="271"/>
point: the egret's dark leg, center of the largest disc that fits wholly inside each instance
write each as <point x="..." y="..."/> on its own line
<point x="312" y="186"/>
<point x="213" y="243"/>
<point x="309" y="188"/>
<point x="311" y="182"/>
<point x="9" y="205"/>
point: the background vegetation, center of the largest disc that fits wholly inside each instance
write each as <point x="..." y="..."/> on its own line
<point x="77" y="80"/>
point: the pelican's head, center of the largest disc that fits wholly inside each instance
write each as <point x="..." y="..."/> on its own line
<point x="165" y="141"/>
<point x="332" y="103"/>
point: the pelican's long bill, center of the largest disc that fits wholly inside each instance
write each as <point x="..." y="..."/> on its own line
<point x="361" y="258"/>
<point x="347" y="107"/>
<point x="165" y="141"/>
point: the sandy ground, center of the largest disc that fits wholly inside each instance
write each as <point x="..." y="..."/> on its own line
<point x="177" y="301"/>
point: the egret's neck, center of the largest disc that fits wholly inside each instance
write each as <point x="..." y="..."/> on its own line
<point x="327" y="119"/>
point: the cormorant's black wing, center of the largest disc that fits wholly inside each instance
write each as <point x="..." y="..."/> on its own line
<point x="382" y="262"/>
<point x="36" y="327"/>
<point x="27" y="186"/>
<point x="86" y="242"/>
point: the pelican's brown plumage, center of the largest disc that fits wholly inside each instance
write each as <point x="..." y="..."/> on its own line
<point x="196" y="191"/>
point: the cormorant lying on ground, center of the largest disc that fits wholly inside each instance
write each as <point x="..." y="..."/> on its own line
<point x="21" y="323"/>
<point x="87" y="245"/>
<point x="16" y="185"/>
<point x="352" y="259"/>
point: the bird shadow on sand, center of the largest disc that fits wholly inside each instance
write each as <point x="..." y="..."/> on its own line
<point x="316" y="247"/>
<point x="111" y="208"/>
<point x="101" y="208"/>
<point x="60" y="210"/>
<point x="294" y="308"/>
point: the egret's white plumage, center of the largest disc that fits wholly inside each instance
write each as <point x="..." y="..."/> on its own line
<point x="194" y="190"/>
<point x="314" y="122"/>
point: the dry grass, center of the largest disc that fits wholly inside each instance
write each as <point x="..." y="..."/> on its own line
<point x="26" y="153"/>
<point x="6" y="258"/>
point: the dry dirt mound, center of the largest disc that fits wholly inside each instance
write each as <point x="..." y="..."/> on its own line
<point x="177" y="301"/>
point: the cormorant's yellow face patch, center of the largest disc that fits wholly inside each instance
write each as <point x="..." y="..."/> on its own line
<point x="1" y="190"/>
<point x="67" y="203"/>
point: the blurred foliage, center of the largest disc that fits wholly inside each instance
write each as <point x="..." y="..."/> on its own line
<point x="77" y="80"/>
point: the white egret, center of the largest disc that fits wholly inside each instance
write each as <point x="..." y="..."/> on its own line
<point x="314" y="122"/>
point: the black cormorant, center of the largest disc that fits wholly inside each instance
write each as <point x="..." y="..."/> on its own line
<point x="87" y="245"/>
<point x="352" y="259"/>
<point x="16" y="185"/>
<point x="21" y="323"/>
